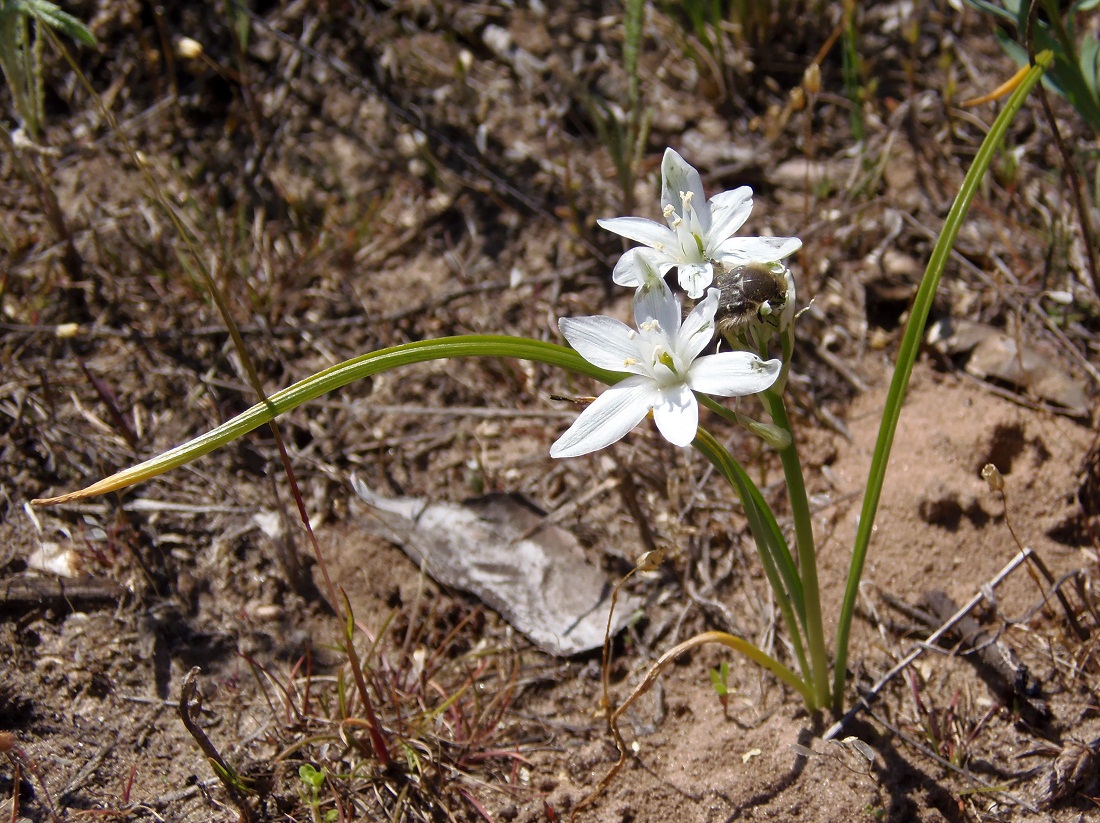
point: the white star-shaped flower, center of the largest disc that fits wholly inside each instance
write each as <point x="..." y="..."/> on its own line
<point x="662" y="357"/>
<point x="699" y="232"/>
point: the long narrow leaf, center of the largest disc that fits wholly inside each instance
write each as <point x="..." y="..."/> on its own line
<point x="732" y="641"/>
<point x="334" y="378"/>
<point x="907" y="355"/>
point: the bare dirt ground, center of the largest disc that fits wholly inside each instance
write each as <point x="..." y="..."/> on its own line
<point x="357" y="175"/>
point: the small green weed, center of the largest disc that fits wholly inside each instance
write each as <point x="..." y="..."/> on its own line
<point x="624" y="134"/>
<point x="719" y="679"/>
<point x="312" y="781"/>
<point x="21" y="53"/>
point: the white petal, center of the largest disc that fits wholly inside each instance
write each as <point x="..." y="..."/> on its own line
<point x="677" y="415"/>
<point x="757" y="249"/>
<point x="696" y="277"/>
<point x="609" y="418"/>
<point x="641" y="231"/>
<point x="731" y="199"/>
<point x="640" y="267"/>
<point x="602" y="341"/>
<point x="733" y="374"/>
<point x="676" y="177"/>
<point x="698" y="328"/>
<point x="787" y="317"/>
<point x="660" y="305"/>
<point x="626" y="273"/>
<point x="728" y="212"/>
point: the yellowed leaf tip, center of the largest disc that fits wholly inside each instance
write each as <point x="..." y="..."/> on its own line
<point x="108" y="484"/>
<point x="61" y="498"/>
<point x="1007" y="87"/>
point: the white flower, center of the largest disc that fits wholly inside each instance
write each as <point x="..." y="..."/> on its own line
<point x="662" y="357"/>
<point x="699" y="232"/>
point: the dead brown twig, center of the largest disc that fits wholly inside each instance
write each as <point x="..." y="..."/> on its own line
<point x="872" y="694"/>
<point x="191" y="701"/>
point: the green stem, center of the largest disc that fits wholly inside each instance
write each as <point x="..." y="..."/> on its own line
<point x="907" y="355"/>
<point x="776" y="559"/>
<point x="804" y="543"/>
<point x="850" y="69"/>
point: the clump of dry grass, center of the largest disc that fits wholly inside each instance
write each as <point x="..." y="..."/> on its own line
<point x="410" y="722"/>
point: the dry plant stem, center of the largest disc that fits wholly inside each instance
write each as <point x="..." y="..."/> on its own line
<point x="17" y="777"/>
<point x="872" y="694"/>
<point x="219" y="300"/>
<point x="51" y="208"/>
<point x="107" y="397"/>
<point x="374" y="728"/>
<point x="1075" y="187"/>
<point x="20" y="763"/>
<point x="722" y="638"/>
<point x="1068" y="166"/>
<point x="996" y="662"/>
<point x="189" y="697"/>
<point x="287" y="548"/>
<point x="1037" y="563"/>
<point x="59" y="593"/>
<point x="605" y="663"/>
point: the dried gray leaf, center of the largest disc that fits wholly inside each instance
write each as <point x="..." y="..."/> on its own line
<point x="500" y="549"/>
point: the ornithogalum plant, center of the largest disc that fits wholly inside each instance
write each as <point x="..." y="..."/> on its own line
<point x="659" y="369"/>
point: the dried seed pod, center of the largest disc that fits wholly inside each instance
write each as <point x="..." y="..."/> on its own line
<point x="992" y="475"/>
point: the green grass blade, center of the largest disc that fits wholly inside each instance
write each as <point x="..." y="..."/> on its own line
<point x="907" y="355"/>
<point x="53" y="16"/>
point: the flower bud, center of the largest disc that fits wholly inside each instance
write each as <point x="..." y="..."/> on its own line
<point x="188" y="49"/>
<point x="811" y="79"/>
<point x="774" y="436"/>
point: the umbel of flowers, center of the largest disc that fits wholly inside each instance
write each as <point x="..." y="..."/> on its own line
<point x="663" y="355"/>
